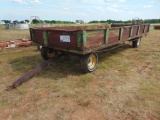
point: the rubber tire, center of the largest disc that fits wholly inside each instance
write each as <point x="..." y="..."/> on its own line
<point x="44" y="53"/>
<point x="84" y="63"/>
<point x="136" y="43"/>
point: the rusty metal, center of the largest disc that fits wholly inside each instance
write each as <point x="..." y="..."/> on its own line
<point x="109" y="49"/>
<point x="2" y="45"/>
<point x="53" y="39"/>
<point x="73" y="28"/>
<point x="86" y="39"/>
<point x="142" y="29"/>
<point x="29" y="75"/>
<point x="16" y="43"/>
<point x="156" y="27"/>
<point x="135" y="21"/>
<point x="113" y="36"/>
<point x="25" y="44"/>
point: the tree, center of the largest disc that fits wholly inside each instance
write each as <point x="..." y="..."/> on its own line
<point x="35" y="21"/>
<point x="15" y="21"/>
<point x="47" y="21"/>
<point x="7" y="21"/>
<point x="40" y="21"/>
<point x="27" y="21"/>
<point x="53" y="21"/>
<point x="21" y="22"/>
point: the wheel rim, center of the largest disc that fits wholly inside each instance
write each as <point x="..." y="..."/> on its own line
<point x="92" y="61"/>
<point x="50" y="53"/>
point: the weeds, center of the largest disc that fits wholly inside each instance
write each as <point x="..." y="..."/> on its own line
<point x="84" y="102"/>
<point x="86" y="78"/>
<point x="102" y="93"/>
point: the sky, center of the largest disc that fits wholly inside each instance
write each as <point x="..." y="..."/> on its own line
<point x="86" y="10"/>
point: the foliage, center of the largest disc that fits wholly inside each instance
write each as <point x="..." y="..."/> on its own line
<point x="57" y="22"/>
<point x="128" y="21"/>
<point x="27" y="21"/>
<point x="21" y="22"/>
<point x="110" y="21"/>
<point x="15" y="22"/>
<point x="7" y="21"/>
<point x="152" y="21"/>
<point x="35" y="21"/>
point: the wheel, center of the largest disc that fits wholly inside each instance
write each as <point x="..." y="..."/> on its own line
<point x="89" y="62"/>
<point x="136" y="43"/>
<point x="47" y="53"/>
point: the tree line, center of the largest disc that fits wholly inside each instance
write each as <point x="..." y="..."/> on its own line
<point x="128" y="21"/>
<point x="35" y="21"/>
<point x="16" y="21"/>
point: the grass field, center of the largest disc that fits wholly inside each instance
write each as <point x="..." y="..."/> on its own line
<point x="125" y="85"/>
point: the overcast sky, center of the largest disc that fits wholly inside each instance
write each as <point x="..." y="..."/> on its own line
<point x="87" y="10"/>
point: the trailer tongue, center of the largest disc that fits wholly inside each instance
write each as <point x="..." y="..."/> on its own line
<point x="29" y="75"/>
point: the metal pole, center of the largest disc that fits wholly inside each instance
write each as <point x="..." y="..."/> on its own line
<point x="29" y="75"/>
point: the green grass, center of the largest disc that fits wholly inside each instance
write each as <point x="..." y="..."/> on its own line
<point x="86" y="78"/>
<point x="125" y="84"/>
<point x="156" y="24"/>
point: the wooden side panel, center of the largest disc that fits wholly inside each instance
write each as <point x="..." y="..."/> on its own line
<point x="113" y="36"/>
<point x="38" y="36"/>
<point x="135" y="31"/>
<point x="126" y="33"/>
<point x="54" y="39"/>
<point x="147" y="28"/>
<point x="142" y="29"/>
<point x="94" y="39"/>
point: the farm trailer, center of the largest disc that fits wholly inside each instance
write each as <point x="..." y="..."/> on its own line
<point x="156" y="27"/>
<point x="85" y="41"/>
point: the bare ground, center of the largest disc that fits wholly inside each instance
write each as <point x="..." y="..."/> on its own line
<point x="125" y="85"/>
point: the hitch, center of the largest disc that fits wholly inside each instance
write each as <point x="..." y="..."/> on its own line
<point x="29" y="75"/>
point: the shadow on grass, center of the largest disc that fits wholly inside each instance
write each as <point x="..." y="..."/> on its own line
<point x="63" y="67"/>
<point x="106" y="54"/>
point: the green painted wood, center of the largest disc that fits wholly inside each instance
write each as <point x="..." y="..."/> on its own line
<point x="45" y="38"/>
<point x="120" y="33"/>
<point x="32" y="35"/>
<point x="93" y="32"/>
<point x="139" y="28"/>
<point x="131" y="31"/>
<point x="71" y="51"/>
<point x="106" y="36"/>
<point x="144" y="28"/>
<point x="79" y="42"/>
<point x="84" y="41"/>
<point x="84" y="36"/>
